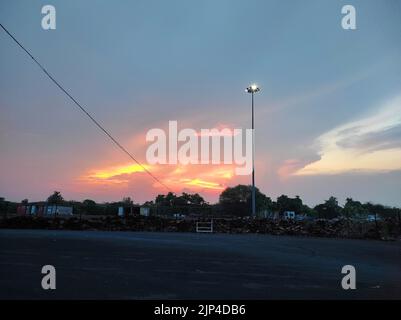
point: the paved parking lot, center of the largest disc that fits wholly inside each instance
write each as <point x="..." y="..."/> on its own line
<point x="138" y="265"/>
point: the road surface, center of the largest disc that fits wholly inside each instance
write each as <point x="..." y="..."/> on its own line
<point x="140" y="265"/>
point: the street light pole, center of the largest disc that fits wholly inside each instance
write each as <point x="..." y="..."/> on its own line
<point x="253" y="162"/>
<point x="252" y="90"/>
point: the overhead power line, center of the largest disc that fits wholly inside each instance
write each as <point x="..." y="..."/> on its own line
<point x="83" y="109"/>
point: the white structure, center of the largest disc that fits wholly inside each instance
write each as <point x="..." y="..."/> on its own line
<point x="289" y="215"/>
<point x="52" y="210"/>
<point x="179" y="216"/>
<point x="33" y="210"/>
<point x="300" y="217"/>
<point x="373" y="217"/>
<point x="204" y="227"/>
<point x="144" y="211"/>
<point x="120" y="211"/>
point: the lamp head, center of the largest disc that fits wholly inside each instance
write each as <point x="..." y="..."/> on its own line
<point x="253" y="88"/>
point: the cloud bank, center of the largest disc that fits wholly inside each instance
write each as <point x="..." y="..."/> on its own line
<point x="371" y="143"/>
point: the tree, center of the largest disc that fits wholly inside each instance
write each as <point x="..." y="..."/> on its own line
<point x="127" y="201"/>
<point x="160" y="199"/>
<point x="89" y="203"/>
<point x="196" y="199"/>
<point x="285" y="203"/>
<point x="170" y="198"/>
<point x="189" y="199"/>
<point x="353" y="208"/>
<point x="55" y="198"/>
<point x="3" y="206"/>
<point x="329" y="209"/>
<point x="165" y="200"/>
<point x="186" y="203"/>
<point x="89" y="206"/>
<point x="237" y="200"/>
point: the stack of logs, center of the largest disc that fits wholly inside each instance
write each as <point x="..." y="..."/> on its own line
<point x="387" y="229"/>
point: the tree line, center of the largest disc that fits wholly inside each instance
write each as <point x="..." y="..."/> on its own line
<point x="233" y="201"/>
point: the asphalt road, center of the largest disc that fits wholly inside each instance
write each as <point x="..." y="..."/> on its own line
<point x="138" y="265"/>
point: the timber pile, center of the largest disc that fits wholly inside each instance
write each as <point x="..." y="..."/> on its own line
<point x="387" y="229"/>
<point x="323" y="228"/>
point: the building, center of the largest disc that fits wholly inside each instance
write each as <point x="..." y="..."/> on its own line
<point x="144" y="211"/>
<point x="43" y="209"/>
<point x="288" y="215"/>
<point x="133" y="210"/>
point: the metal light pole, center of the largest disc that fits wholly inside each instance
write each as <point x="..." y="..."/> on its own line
<point x="252" y="89"/>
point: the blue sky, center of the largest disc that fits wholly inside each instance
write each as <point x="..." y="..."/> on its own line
<point x="138" y="64"/>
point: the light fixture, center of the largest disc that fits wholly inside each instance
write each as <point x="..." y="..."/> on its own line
<point x="253" y="88"/>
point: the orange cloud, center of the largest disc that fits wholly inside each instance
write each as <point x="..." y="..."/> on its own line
<point x="116" y="171"/>
<point x="131" y="178"/>
<point x="202" y="184"/>
<point x="197" y="178"/>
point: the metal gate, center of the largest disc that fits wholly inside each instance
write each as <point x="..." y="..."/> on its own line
<point x="204" y="226"/>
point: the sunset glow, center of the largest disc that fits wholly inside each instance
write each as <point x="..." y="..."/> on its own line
<point x="369" y="144"/>
<point x="326" y="120"/>
<point x="202" y="184"/>
<point x="196" y="178"/>
<point x="116" y="171"/>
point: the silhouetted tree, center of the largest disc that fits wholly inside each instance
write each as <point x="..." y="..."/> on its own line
<point x="127" y="201"/>
<point x="89" y="206"/>
<point x="329" y="209"/>
<point x="285" y="203"/>
<point x="237" y="200"/>
<point x="353" y="208"/>
<point x="55" y="198"/>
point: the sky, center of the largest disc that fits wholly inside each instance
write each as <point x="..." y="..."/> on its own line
<point x="327" y="119"/>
